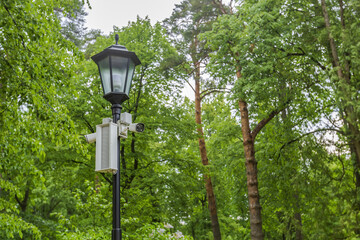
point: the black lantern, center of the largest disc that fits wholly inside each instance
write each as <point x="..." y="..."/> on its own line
<point x="116" y="67"/>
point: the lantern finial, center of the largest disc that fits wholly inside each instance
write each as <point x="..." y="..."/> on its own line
<point x="117" y="38"/>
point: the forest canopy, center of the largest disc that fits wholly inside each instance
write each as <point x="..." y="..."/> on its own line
<point x="268" y="147"/>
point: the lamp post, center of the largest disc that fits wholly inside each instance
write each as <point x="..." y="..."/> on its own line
<point x="116" y="67"/>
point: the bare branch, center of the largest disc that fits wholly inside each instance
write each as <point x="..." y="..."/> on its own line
<point x="187" y="81"/>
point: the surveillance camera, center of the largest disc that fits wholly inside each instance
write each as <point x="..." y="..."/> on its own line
<point x="137" y="127"/>
<point x="125" y="118"/>
<point x="90" y="138"/>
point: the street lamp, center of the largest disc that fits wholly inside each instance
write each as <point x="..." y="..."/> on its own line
<point x="116" y="67"/>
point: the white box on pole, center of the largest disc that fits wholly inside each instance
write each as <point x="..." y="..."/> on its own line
<point x="106" y="147"/>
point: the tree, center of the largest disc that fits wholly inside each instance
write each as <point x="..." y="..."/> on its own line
<point x="189" y="19"/>
<point x="345" y="65"/>
<point x="285" y="74"/>
<point x="260" y="44"/>
<point x="35" y="69"/>
<point x="72" y="23"/>
<point x="151" y="162"/>
<point x="254" y="44"/>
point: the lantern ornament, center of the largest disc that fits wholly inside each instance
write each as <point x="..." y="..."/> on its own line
<point x="116" y="67"/>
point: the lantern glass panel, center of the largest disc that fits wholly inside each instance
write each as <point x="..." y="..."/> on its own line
<point x="119" y="67"/>
<point x="129" y="76"/>
<point x="104" y="68"/>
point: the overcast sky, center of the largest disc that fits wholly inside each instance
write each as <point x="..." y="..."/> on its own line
<point x="107" y="13"/>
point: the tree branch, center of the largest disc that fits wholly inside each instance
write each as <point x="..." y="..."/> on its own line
<point x="80" y="162"/>
<point x="88" y="124"/>
<point x="209" y="91"/>
<point x="137" y="100"/>
<point x="102" y="174"/>
<point x="263" y="122"/>
<point x="130" y="178"/>
<point x="12" y="18"/>
<point x="343" y="171"/>
<point x="52" y="207"/>
<point x="306" y="134"/>
<point x="220" y="5"/>
<point x="24" y="202"/>
<point x="318" y="63"/>
<point x="303" y="53"/>
<point x="187" y="81"/>
<point x="289" y="54"/>
<point x="106" y="178"/>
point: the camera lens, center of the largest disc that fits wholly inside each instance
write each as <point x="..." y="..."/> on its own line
<point x="140" y="127"/>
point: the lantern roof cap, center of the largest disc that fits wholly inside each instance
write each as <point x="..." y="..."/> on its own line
<point x="116" y="50"/>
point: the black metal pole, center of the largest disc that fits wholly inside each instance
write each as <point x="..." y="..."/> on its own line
<point x="116" y="231"/>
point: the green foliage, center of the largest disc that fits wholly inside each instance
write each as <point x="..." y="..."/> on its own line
<point x="282" y="51"/>
<point x="50" y="95"/>
<point x="36" y="70"/>
<point x="157" y="231"/>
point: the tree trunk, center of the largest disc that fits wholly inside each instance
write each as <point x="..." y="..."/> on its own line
<point x="251" y="174"/>
<point x="344" y="84"/>
<point x="350" y="117"/>
<point x="204" y="159"/>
